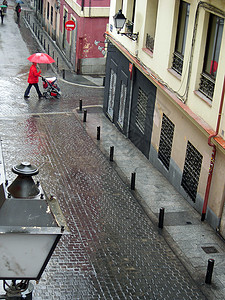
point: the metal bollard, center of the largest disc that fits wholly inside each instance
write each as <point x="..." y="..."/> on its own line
<point x="57" y="62"/>
<point x="98" y="133"/>
<point x="48" y="49"/>
<point x="111" y="153"/>
<point x="63" y="73"/>
<point x="85" y="115"/>
<point x="53" y="54"/>
<point x="161" y="217"/>
<point x="209" y="272"/>
<point x="80" y="105"/>
<point x="133" y="175"/>
<point x="44" y="43"/>
<point x="33" y="27"/>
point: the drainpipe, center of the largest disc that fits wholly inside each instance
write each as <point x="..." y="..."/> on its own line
<point x="212" y="162"/>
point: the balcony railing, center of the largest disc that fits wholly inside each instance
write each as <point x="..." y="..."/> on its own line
<point x="177" y="62"/>
<point x="207" y="85"/>
<point x="149" y="42"/>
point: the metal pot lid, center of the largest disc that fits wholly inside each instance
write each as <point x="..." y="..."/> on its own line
<point x="25" y="168"/>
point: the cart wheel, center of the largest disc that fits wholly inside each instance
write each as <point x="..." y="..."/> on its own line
<point x="47" y="95"/>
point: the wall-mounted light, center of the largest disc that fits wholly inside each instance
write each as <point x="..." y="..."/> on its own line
<point x="119" y="22"/>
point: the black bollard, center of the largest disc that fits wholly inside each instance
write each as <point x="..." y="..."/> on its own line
<point x="85" y="115"/>
<point x="57" y="62"/>
<point x="48" y="49"/>
<point x="98" y="133"/>
<point x="44" y="43"/>
<point x="111" y="153"/>
<point x="33" y="27"/>
<point x="161" y="217"/>
<point x="209" y="272"/>
<point x="80" y="105"/>
<point x="63" y="72"/>
<point x="133" y="175"/>
<point x="53" y="54"/>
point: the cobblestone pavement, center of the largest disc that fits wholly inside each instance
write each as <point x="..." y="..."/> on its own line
<point x="114" y="251"/>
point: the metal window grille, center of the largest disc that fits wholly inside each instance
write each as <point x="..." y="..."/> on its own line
<point x="177" y="62"/>
<point x="191" y="172"/>
<point x="207" y="85"/>
<point x="149" y="42"/>
<point x="141" y="110"/>
<point x="166" y="140"/>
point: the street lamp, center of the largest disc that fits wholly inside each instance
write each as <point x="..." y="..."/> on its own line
<point x="31" y="225"/>
<point x="119" y="22"/>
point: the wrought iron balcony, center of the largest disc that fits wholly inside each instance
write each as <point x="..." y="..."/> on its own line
<point x="177" y="62"/>
<point x="207" y="85"/>
<point x="149" y="42"/>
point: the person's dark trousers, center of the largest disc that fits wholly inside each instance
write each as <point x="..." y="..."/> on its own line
<point x="29" y="87"/>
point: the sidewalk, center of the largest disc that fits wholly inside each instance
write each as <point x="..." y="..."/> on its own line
<point x="193" y="241"/>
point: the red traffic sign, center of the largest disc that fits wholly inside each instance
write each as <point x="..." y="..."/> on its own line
<point x="70" y="25"/>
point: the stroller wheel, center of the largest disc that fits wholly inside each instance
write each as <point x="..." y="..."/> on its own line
<point x="46" y="95"/>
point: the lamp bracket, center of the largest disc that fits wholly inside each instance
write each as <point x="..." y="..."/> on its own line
<point x="132" y="36"/>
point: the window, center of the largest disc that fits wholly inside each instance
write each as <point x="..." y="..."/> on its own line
<point x="51" y="15"/>
<point x="112" y="91"/>
<point x="131" y="16"/>
<point x="141" y="110"/>
<point x="48" y="11"/>
<point x="211" y="59"/>
<point x="123" y="95"/>
<point x="151" y="18"/>
<point x="166" y="140"/>
<point x="191" y="172"/>
<point x="178" y="55"/>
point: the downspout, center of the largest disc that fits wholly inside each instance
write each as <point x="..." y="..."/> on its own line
<point x="212" y="162"/>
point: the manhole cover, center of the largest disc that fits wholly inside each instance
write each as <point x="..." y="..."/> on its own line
<point x="209" y="250"/>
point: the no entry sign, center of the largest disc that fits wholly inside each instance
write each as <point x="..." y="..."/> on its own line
<point x="70" y="25"/>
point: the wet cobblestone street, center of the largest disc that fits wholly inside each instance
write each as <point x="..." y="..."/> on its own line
<point x="113" y="251"/>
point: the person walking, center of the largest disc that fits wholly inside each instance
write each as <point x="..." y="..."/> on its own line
<point x="6" y="4"/>
<point x="2" y="14"/>
<point x="18" y="11"/>
<point x="33" y="78"/>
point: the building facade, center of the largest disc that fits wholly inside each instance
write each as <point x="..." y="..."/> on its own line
<point x="84" y="47"/>
<point x="164" y="90"/>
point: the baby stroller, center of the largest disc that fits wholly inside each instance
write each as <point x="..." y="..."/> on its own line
<point x="51" y="87"/>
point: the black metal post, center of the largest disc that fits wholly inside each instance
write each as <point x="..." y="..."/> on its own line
<point x="57" y="62"/>
<point x="44" y="43"/>
<point x="161" y="217"/>
<point x="48" y="49"/>
<point x="63" y="73"/>
<point x="85" y="115"/>
<point x="98" y="133"/>
<point x="133" y="175"/>
<point x="80" y="105"/>
<point x="33" y="27"/>
<point x="111" y="153"/>
<point x="209" y="272"/>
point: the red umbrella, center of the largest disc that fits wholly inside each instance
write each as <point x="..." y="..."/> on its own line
<point x="41" y="58"/>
